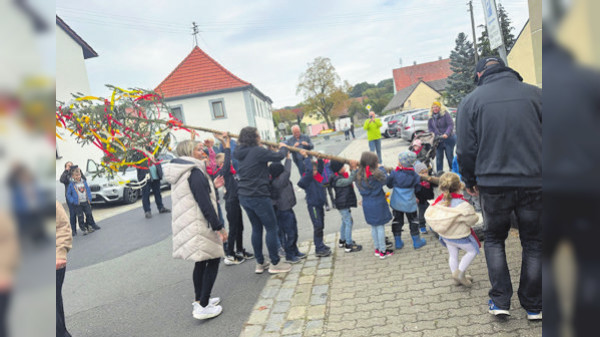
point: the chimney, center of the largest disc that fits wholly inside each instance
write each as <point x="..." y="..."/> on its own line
<point x="414" y="63"/>
<point x="420" y="78"/>
<point x="440" y="58"/>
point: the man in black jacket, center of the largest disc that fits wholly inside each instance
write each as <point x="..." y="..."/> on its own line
<point x="154" y="174"/>
<point x="499" y="129"/>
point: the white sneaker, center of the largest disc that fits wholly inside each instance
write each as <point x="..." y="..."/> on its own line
<point x="281" y="267"/>
<point x="197" y="307"/>
<point x="207" y="312"/>
<point x="261" y="267"/>
<point x="233" y="260"/>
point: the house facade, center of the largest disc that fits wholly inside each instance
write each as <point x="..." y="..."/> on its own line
<point x="420" y="95"/>
<point x="71" y="77"/>
<point x="201" y="92"/>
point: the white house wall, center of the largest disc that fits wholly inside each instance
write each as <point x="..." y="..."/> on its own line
<point x="71" y="77"/>
<point x="240" y="112"/>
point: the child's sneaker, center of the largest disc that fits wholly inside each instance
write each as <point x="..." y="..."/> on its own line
<point x="494" y="310"/>
<point x="301" y="255"/>
<point x="261" y="267"/>
<point x="207" y="312"/>
<point x="377" y="253"/>
<point x="534" y="316"/>
<point x="323" y="253"/>
<point x="246" y="255"/>
<point x="389" y="252"/>
<point x="388" y="243"/>
<point x="233" y="260"/>
<point x="341" y="243"/>
<point x="353" y="247"/>
<point x="293" y="260"/>
<point x="281" y="267"/>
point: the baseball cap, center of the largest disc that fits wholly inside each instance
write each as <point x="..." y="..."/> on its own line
<point x="481" y="65"/>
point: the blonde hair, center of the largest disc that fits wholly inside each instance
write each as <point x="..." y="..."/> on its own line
<point x="186" y="148"/>
<point x="220" y="158"/>
<point x="450" y="183"/>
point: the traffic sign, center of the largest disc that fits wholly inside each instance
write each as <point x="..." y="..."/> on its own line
<point x="368" y="107"/>
<point x="492" y="23"/>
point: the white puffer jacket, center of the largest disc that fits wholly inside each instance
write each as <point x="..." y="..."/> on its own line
<point x="452" y="222"/>
<point x="193" y="238"/>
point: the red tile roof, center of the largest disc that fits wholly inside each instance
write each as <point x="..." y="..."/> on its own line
<point x="430" y="71"/>
<point x="198" y="73"/>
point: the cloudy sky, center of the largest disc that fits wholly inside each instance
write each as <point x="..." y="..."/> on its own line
<point x="269" y="42"/>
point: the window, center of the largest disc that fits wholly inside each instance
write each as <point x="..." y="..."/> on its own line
<point x="177" y="112"/>
<point x="217" y="108"/>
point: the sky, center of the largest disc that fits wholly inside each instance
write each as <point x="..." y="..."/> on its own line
<point x="269" y="43"/>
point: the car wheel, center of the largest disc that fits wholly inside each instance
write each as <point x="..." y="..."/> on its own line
<point x="386" y="134"/>
<point x="130" y="195"/>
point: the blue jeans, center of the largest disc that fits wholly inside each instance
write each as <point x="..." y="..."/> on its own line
<point x="261" y="214"/>
<point x="378" y="233"/>
<point x="497" y="204"/>
<point x="72" y="216"/>
<point x="317" y="216"/>
<point x="289" y="229"/>
<point x="346" y="230"/>
<point x="447" y="146"/>
<point x="375" y="146"/>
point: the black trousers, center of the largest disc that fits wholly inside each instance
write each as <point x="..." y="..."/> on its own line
<point x="422" y="208"/>
<point x="85" y="209"/>
<point x="205" y="274"/>
<point x="61" y="328"/>
<point x="153" y="185"/>
<point x="236" y="227"/>
<point x="4" y="305"/>
<point x="398" y="222"/>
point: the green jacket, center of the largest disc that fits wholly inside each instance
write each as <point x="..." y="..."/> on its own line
<point x="372" y="128"/>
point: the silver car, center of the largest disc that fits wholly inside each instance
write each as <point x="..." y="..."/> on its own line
<point x="121" y="188"/>
<point x="414" y="123"/>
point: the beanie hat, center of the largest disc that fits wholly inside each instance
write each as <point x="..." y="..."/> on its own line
<point x="336" y="166"/>
<point x="437" y="103"/>
<point x="407" y="158"/>
<point x="275" y="169"/>
<point x="420" y="167"/>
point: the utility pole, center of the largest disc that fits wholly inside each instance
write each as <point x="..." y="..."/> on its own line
<point x="195" y="32"/>
<point x="473" y="29"/>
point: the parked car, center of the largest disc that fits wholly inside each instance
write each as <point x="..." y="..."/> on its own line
<point x="414" y="123"/>
<point x="122" y="187"/>
<point x="384" y="125"/>
<point x="394" y="124"/>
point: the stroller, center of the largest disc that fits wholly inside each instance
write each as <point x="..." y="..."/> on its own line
<point x="429" y="143"/>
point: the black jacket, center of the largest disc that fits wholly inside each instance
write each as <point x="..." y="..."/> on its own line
<point x="423" y="194"/>
<point x="499" y="132"/>
<point x="282" y="190"/>
<point x="345" y="197"/>
<point x="254" y="173"/>
<point x="231" y="184"/>
<point x="141" y="173"/>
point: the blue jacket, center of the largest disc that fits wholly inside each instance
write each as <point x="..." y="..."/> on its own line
<point x="315" y="191"/>
<point x="403" y="196"/>
<point x="375" y="207"/>
<point x="72" y="196"/>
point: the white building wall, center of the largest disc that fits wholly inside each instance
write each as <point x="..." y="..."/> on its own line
<point x="263" y="118"/>
<point x="197" y="112"/>
<point x="71" y="77"/>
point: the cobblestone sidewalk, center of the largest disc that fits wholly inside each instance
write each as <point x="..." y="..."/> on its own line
<point x="408" y="294"/>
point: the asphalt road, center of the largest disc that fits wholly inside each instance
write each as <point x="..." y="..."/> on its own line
<point x="122" y="281"/>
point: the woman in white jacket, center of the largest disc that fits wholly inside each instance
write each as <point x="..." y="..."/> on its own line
<point x="452" y="217"/>
<point x="198" y="235"/>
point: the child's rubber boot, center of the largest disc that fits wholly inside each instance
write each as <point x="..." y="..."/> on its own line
<point x="418" y="241"/>
<point x="399" y="242"/>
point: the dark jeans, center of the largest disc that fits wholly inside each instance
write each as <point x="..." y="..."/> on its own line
<point x="398" y="222"/>
<point x="498" y="203"/>
<point x="155" y="186"/>
<point x="72" y="216"/>
<point x="422" y="209"/>
<point x="236" y="227"/>
<point x="4" y="306"/>
<point x="205" y="274"/>
<point x="447" y="146"/>
<point x="261" y="214"/>
<point x="375" y="146"/>
<point x="61" y="328"/>
<point x="85" y="209"/>
<point x="289" y="227"/>
<point x="317" y="216"/>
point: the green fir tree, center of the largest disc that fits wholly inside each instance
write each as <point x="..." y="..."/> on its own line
<point x="462" y="64"/>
